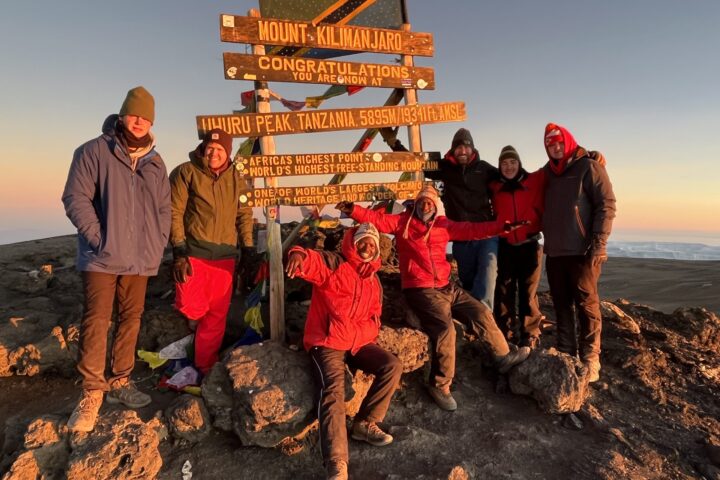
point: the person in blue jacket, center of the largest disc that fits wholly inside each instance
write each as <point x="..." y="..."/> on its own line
<point x="117" y="195"/>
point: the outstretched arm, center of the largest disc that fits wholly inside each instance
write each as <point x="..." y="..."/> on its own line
<point x="384" y="222"/>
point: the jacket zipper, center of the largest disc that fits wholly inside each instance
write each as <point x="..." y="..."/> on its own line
<point x="579" y="221"/>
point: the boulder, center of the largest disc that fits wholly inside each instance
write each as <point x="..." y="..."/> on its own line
<point x="217" y="393"/>
<point x="161" y="327"/>
<point x="122" y="446"/>
<point x="409" y="345"/>
<point x="44" y="452"/>
<point x="556" y="380"/>
<point x="188" y="418"/>
<point x="623" y="323"/>
<point x="700" y="326"/>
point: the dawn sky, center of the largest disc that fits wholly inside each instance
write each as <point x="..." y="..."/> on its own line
<point x="637" y="80"/>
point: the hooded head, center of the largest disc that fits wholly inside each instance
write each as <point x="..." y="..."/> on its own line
<point x="467" y="153"/>
<point x="366" y="232"/>
<point x="560" y="147"/>
<point x="361" y="233"/>
<point x="427" y="203"/>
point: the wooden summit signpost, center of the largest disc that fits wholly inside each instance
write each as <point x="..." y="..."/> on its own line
<point x="297" y="42"/>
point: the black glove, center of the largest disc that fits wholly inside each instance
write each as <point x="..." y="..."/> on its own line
<point x="182" y="269"/>
<point x="345" y="207"/>
<point x="598" y="250"/>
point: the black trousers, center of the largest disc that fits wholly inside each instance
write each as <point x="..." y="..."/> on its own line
<point x="573" y="287"/>
<point x="436" y="308"/>
<point x="517" y="310"/>
<point x="329" y="374"/>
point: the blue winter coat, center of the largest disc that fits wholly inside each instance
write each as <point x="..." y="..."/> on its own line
<point x="122" y="217"/>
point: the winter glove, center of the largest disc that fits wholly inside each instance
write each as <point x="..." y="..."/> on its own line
<point x="598" y="250"/>
<point x="598" y="157"/>
<point x="182" y="269"/>
<point x="345" y="207"/>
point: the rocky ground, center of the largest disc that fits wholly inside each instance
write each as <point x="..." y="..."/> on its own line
<point x="654" y="414"/>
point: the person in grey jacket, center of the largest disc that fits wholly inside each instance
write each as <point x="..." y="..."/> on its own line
<point x="117" y="195"/>
<point x="577" y="220"/>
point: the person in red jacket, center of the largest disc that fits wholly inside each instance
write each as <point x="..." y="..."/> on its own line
<point x="421" y="239"/>
<point x="342" y="325"/>
<point x="518" y="195"/>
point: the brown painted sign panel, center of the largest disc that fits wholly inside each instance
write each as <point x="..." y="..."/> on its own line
<point x="284" y="123"/>
<point x="274" y="31"/>
<point x="331" y="163"/>
<point x="274" y="68"/>
<point x="330" y="194"/>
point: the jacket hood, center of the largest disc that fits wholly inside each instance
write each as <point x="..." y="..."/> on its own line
<point x="108" y="126"/>
<point x="557" y="133"/>
<point x="364" y="269"/>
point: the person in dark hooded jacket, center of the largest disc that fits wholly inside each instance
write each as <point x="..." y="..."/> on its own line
<point x="207" y="222"/>
<point x="342" y="325"/>
<point x="421" y="237"/>
<point x="467" y="198"/>
<point x="519" y="195"/>
<point x="577" y="221"/>
<point x="118" y="197"/>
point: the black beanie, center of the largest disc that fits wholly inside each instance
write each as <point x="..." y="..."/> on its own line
<point x="462" y="137"/>
<point x="509" y="151"/>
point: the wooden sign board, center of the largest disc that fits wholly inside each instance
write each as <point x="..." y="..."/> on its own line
<point x="273" y="31"/>
<point x="283" y="123"/>
<point x="330" y="194"/>
<point x="273" y="68"/>
<point x="331" y="163"/>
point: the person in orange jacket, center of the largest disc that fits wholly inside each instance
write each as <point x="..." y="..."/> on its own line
<point x="342" y="325"/>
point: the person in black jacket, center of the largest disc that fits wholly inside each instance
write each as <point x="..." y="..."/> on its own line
<point x="577" y="220"/>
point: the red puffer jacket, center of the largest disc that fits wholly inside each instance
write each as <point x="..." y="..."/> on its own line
<point x="346" y="302"/>
<point x="522" y="203"/>
<point x="422" y="247"/>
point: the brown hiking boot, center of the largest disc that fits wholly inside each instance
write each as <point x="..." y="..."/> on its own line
<point x="124" y="391"/>
<point x="593" y="370"/>
<point x="370" y="432"/>
<point x="443" y="398"/>
<point x="84" y="416"/>
<point x="337" y="470"/>
<point x="513" y="358"/>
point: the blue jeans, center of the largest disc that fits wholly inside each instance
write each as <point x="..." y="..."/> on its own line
<point x="477" y="267"/>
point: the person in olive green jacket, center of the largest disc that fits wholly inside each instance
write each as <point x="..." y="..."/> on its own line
<point x="207" y="221"/>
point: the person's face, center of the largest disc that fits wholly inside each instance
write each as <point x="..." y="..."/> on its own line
<point x="556" y="150"/>
<point x="215" y="154"/>
<point x="463" y="153"/>
<point x="366" y="248"/>
<point x="138" y="126"/>
<point x="509" y="167"/>
<point x="425" y="206"/>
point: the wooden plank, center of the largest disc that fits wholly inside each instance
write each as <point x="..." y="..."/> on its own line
<point x="274" y="68"/>
<point x="414" y="136"/>
<point x="284" y="123"/>
<point x="275" y="31"/>
<point x="275" y="261"/>
<point x="313" y="195"/>
<point x="331" y="163"/>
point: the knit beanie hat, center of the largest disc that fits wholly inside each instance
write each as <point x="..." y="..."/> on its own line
<point x="508" y="151"/>
<point x="368" y="230"/>
<point x="218" y="136"/>
<point x="462" y="137"/>
<point x="428" y="191"/>
<point x="139" y="102"/>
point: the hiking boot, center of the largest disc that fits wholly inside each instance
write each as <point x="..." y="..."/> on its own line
<point x="593" y="370"/>
<point x="337" y="470"/>
<point x="124" y="391"/>
<point x="513" y="358"/>
<point x="443" y="398"/>
<point x="370" y="432"/>
<point x="84" y="416"/>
